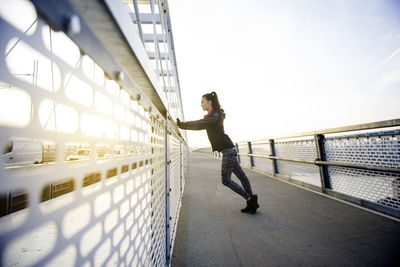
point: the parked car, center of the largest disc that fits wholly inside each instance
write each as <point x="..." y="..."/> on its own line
<point x="116" y="152"/>
<point x="23" y="152"/>
<point x="49" y="153"/>
<point x="131" y="152"/>
<point x="80" y="154"/>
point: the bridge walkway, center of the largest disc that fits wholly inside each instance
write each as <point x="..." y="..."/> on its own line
<point x="293" y="227"/>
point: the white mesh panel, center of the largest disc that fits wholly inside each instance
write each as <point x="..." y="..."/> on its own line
<point x="82" y="177"/>
<point x="299" y="149"/>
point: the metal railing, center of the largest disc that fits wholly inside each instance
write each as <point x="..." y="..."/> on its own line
<point x="359" y="163"/>
<point x="93" y="167"/>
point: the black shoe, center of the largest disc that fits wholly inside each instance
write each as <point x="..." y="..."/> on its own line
<point x="247" y="209"/>
<point x="253" y="204"/>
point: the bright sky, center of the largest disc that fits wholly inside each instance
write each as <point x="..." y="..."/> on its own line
<point x="289" y="66"/>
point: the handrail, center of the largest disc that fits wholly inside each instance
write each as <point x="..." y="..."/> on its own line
<point x="319" y="162"/>
<point x="358" y="127"/>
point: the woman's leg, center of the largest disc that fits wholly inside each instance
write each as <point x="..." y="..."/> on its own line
<point x="252" y="204"/>
<point x="238" y="171"/>
<point x="229" y="163"/>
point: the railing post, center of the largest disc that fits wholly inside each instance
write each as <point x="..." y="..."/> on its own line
<point x="167" y="196"/>
<point x="237" y="148"/>
<point x="251" y="152"/>
<point x="181" y="169"/>
<point x="274" y="161"/>
<point x="323" y="169"/>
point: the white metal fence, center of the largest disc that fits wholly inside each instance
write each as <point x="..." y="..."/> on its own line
<point x="93" y="168"/>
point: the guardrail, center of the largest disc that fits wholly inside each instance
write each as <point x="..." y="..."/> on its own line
<point x="359" y="163"/>
<point x="93" y="167"/>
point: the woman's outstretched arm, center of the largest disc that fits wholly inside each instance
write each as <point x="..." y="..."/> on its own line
<point x="199" y="124"/>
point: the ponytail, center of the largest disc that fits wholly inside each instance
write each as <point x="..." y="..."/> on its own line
<point x="215" y="104"/>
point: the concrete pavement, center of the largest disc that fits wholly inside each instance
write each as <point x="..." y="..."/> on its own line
<point x="293" y="227"/>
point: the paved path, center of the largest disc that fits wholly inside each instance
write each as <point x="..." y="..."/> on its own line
<point x="294" y="227"/>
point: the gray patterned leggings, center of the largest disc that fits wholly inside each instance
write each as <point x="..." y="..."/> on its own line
<point x="231" y="164"/>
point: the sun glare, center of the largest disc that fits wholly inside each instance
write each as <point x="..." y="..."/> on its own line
<point x="29" y="65"/>
<point x="15" y="107"/>
<point x="61" y="46"/>
<point x="112" y="87"/>
<point x="125" y="134"/>
<point x="103" y="103"/>
<point x="92" y="70"/>
<point x="19" y="13"/>
<point x="92" y="125"/>
<point x="119" y="112"/>
<point x="78" y="90"/>
<point x="54" y="116"/>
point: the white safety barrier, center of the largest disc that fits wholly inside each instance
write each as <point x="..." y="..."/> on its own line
<point x="92" y="172"/>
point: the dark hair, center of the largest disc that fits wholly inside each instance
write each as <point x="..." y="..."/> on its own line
<point x="216" y="106"/>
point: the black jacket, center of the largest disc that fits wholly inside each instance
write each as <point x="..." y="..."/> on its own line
<point x="214" y="125"/>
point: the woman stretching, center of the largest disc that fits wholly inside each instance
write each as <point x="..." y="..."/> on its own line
<point x="213" y="123"/>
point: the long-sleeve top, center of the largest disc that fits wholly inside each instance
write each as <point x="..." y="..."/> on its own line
<point x="214" y="126"/>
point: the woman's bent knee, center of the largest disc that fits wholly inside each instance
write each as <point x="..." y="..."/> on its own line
<point x="225" y="182"/>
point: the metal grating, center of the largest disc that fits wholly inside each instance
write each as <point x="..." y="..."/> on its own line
<point x="298" y="149"/>
<point x="262" y="163"/>
<point x="379" y="187"/>
<point x="303" y="150"/>
<point x="156" y="34"/>
<point x="302" y="172"/>
<point x="380" y="151"/>
<point x="244" y="160"/>
<point x="83" y="173"/>
<point x="175" y="182"/>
